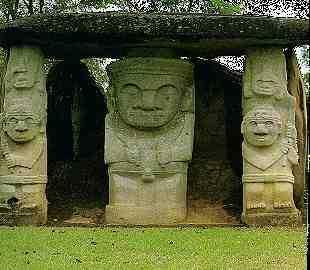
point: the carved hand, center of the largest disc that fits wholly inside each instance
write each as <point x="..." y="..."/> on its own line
<point x="292" y="156"/>
<point x="133" y="154"/>
<point x="164" y="156"/>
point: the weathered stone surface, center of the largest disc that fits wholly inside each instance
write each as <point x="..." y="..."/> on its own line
<point x="113" y="33"/>
<point x="296" y="88"/>
<point x="75" y="128"/>
<point x="23" y="161"/>
<point x="216" y="167"/>
<point x="149" y="140"/>
<point x="269" y="149"/>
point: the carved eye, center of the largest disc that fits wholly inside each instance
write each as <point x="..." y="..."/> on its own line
<point x="13" y="120"/>
<point x="252" y="124"/>
<point x="130" y="89"/>
<point x="167" y="92"/>
<point x="30" y="121"/>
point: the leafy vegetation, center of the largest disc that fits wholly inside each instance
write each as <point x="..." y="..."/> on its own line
<point x="156" y="248"/>
<point x="305" y="63"/>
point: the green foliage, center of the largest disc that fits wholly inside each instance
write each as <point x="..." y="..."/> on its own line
<point x="96" y="66"/>
<point x="225" y="8"/>
<point x="95" y="3"/>
<point x="304" y="59"/>
<point x="305" y="56"/>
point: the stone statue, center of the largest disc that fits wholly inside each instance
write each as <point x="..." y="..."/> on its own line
<point x="269" y="152"/>
<point x="265" y="74"/>
<point x="269" y="149"/>
<point x="24" y="68"/>
<point x="24" y="76"/>
<point x="149" y="140"/>
<point x="23" y="153"/>
<point x="23" y="165"/>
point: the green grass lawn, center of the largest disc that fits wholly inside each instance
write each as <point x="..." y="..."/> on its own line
<point x="46" y="248"/>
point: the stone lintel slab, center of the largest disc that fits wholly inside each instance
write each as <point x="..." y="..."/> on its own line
<point x="112" y="34"/>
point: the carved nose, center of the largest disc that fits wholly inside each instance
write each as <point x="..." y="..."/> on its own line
<point x="261" y="130"/>
<point x="148" y="100"/>
<point x="21" y="126"/>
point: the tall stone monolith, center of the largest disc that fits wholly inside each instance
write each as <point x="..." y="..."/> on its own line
<point x="23" y="160"/>
<point x="269" y="148"/>
<point x="149" y="140"/>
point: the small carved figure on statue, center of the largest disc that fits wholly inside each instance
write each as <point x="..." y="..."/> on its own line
<point x="24" y="68"/>
<point x="24" y="77"/>
<point x="265" y="74"/>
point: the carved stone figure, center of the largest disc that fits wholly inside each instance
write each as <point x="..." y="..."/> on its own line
<point x="149" y="138"/>
<point x="24" y="68"/>
<point x="23" y="161"/>
<point x="265" y="74"/>
<point x="24" y="76"/>
<point x="269" y="154"/>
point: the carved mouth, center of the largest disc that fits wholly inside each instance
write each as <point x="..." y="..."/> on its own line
<point x="151" y="114"/>
<point x="261" y="136"/>
<point x="21" y="83"/>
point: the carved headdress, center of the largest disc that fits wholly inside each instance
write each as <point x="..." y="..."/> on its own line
<point x="262" y="113"/>
<point x="152" y="66"/>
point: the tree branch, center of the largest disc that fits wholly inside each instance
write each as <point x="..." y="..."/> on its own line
<point x="12" y="9"/>
<point x="154" y="6"/>
<point x="190" y="5"/>
<point x="41" y="5"/>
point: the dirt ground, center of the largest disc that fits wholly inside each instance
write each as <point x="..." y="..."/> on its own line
<point x="79" y="213"/>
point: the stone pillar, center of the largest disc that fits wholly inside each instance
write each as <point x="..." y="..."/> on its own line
<point x="23" y="161"/>
<point x="149" y="140"/>
<point x="269" y="148"/>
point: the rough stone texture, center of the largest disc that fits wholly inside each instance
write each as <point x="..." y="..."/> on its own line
<point x="269" y="148"/>
<point x="23" y="161"/>
<point x="216" y="168"/>
<point x="149" y="140"/>
<point x="296" y="88"/>
<point x="75" y="128"/>
<point x="112" y="33"/>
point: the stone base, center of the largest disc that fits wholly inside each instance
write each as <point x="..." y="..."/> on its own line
<point x="13" y="219"/>
<point x="23" y="201"/>
<point x="273" y="219"/>
<point x="30" y="215"/>
<point x="144" y="215"/>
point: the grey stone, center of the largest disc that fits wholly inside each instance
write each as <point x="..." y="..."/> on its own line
<point x="149" y="140"/>
<point x="269" y="149"/>
<point x="23" y="137"/>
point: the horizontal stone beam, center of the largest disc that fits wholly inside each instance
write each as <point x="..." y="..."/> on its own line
<point x="114" y="34"/>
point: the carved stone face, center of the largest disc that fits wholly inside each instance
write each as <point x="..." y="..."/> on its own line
<point x="23" y="67"/>
<point x="22" y="128"/>
<point x="267" y="87"/>
<point x="148" y="100"/>
<point x="261" y="127"/>
<point x="21" y="78"/>
<point x="265" y="73"/>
